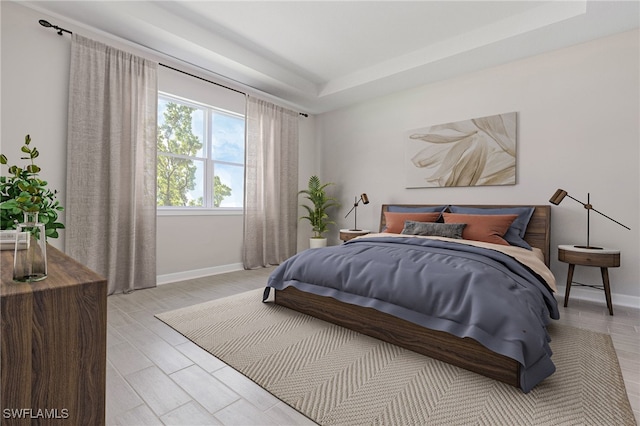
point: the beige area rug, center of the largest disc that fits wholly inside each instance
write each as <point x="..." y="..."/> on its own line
<point x="336" y="376"/>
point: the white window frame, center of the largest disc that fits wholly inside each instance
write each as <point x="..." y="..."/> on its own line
<point x="209" y="165"/>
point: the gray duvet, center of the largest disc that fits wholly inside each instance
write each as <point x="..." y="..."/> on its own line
<point x="463" y="290"/>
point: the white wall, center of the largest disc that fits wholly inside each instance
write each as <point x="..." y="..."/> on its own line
<point x="308" y="165"/>
<point x="578" y="129"/>
<point x="34" y="85"/>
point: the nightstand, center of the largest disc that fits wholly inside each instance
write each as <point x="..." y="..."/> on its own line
<point x="602" y="258"/>
<point x="348" y="234"/>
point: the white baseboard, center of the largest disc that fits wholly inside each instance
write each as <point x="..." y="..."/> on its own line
<point x="597" y="296"/>
<point x="197" y="273"/>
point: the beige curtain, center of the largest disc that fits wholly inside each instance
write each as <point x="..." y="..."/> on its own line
<point x="271" y="184"/>
<point x="111" y="164"/>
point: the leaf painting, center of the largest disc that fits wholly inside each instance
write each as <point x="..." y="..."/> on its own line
<point x="476" y="152"/>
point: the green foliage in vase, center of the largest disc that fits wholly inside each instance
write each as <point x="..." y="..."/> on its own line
<point x="317" y="213"/>
<point x="24" y="192"/>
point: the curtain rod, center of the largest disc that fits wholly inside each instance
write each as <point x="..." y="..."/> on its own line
<point x="61" y="31"/>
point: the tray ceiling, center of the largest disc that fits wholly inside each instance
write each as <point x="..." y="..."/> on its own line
<point x="323" y="55"/>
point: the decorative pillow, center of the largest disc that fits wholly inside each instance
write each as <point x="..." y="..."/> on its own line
<point x="395" y="220"/>
<point x="487" y="228"/>
<point x="407" y="209"/>
<point x="449" y="230"/>
<point x="518" y="228"/>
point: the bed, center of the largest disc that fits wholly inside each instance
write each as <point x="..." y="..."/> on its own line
<point x="516" y="296"/>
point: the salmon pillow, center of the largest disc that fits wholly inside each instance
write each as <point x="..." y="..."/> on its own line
<point x="394" y="221"/>
<point x="482" y="227"/>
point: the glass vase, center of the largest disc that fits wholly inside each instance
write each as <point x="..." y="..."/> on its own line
<point x="30" y="257"/>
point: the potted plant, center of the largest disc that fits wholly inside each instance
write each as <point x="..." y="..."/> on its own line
<point x="23" y="192"/>
<point x="317" y="212"/>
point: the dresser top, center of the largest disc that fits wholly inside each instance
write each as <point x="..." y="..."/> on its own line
<point x="62" y="271"/>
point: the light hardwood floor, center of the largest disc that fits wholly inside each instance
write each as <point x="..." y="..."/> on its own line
<point x="155" y="376"/>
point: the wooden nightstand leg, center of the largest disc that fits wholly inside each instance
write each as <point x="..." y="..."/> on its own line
<point x="569" y="281"/>
<point x="607" y="288"/>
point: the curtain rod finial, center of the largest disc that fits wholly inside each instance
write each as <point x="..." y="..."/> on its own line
<point x="48" y="24"/>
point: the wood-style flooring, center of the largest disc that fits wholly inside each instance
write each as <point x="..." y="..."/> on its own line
<point x="155" y="376"/>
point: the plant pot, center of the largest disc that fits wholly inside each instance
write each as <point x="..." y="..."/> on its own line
<point x="317" y="242"/>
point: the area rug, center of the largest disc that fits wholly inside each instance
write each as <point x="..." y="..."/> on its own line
<point x="336" y="376"/>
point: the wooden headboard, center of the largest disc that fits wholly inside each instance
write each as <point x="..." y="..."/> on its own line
<point x="538" y="231"/>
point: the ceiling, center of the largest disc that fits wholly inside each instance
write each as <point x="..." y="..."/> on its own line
<point x="323" y="55"/>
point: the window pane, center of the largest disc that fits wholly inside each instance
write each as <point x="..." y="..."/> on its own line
<point x="181" y="128"/>
<point x="228" y="186"/>
<point x="180" y="181"/>
<point x="228" y="137"/>
<point x="191" y="139"/>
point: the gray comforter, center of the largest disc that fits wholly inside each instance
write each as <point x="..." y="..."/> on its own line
<point x="463" y="290"/>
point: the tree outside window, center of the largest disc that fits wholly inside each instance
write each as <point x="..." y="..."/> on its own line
<point x="200" y="156"/>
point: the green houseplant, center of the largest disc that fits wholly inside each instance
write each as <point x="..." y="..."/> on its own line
<point x="24" y="192"/>
<point x="320" y="202"/>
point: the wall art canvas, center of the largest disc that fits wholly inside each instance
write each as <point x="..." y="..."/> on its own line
<point x="476" y="152"/>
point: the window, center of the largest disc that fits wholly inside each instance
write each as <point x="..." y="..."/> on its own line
<point x="200" y="156"/>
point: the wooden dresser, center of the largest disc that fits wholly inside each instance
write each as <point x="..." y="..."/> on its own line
<point x="53" y="345"/>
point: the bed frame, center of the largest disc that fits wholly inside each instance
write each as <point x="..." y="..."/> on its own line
<point x="462" y="352"/>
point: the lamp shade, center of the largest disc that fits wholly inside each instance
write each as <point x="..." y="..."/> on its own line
<point x="558" y="196"/>
<point x="364" y="198"/>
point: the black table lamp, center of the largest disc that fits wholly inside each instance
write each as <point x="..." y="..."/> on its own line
<point x="559" y="196"/>
<point x="354" y="209"/>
